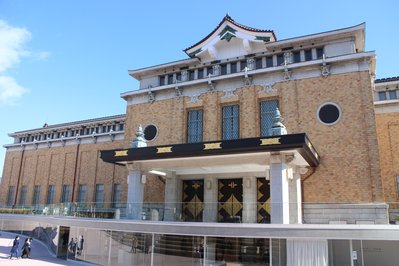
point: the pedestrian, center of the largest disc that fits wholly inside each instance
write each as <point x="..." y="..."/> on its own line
<point x="30" y="247"/>
<point x="72" y="246"/>
<point x="15" y="246"/>
<point x="25" y="249"/>
<point x="80" y="247"/>
<point x="135" y="243"/>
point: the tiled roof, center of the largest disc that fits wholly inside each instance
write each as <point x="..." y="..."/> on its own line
<point x="387" y="79"/>
<point x="87" y="121"/>
<point x="228" y="18"/>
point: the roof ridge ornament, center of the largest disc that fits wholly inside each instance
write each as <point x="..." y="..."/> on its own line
<point x="277" y="127"/>
<point x="139" y="141"/>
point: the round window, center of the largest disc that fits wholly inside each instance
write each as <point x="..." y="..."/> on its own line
<point x="329" y="113"/>
<point x="150" y="132"/>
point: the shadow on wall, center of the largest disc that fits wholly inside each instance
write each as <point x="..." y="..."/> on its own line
<point x="44" y="234"/>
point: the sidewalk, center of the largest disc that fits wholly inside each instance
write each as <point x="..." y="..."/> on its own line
<point x="40" y="254"/>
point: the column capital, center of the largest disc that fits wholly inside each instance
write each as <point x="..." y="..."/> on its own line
<point x="134" y="166"/>
<point x="282" y="158"/>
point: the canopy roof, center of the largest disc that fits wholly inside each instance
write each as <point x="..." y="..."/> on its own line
<point x="236" y="156"/>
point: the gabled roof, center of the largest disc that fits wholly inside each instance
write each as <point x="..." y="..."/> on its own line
<point x="226" y="29"/>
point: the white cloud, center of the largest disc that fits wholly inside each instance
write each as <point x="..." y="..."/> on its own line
<point x="12" y="50"/>
<point x="12" y="43"/>
<point x="10" y="90"/>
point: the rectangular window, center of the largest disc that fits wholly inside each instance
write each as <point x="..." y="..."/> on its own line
<point x="231" y="125"/>
<point x="99" y="195"/>
<point x="50" y="194"/>
<point x="296" y="56"/>
<point x="66" y="191"/>
<point x="382" y="96"/>
<point x="209" y="70"/>
<point x="266" y="113"/>
<point x="170" y="79"/>
<point x="308" y="55"/>
<point x="178" y="76"/>
<point x="10" y="197"/>
<point x="280" y="59"/>
<point x="191" y="75"/>
<point x="243" y="64"/>
<point x="117" y="195"/>
<point x="258" y="63"/>
<point x="82" y="193"/>
<point x="22" y="197"/>
<point x="319" y="52"/>
<point x="233" y="68"/>
<point x="161" y="80"/>
<point x="223" y="69"/>
<point x="392" y="95"/>
<point x="121" y="127"/>
<point x="269" y="61"/>
<point x="200" y="73"/>
<point x="194" y="126"/>
<point x="36" y="195"/>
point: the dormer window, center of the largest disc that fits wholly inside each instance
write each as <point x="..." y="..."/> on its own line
<point x="308" y="55"/>
<point x="200" y="73"/>
<point x="280" y="59"/>
<point x="243" y="65"/>
<point x="170" y="79"/>
<point x="233" y="67"/>
<point x="382" y="96"/>
<point x="296" y="57"/>
<point x="269" y="61"/>
<point x="258" y="63"/>
<point x="161" y="80"/>
<point x="319" y="52"/>
<point x="392" y="95"/>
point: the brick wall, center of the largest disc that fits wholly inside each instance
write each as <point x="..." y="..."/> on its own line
<point x="349" y="169"/>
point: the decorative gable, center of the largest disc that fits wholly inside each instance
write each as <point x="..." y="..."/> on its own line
<point x="230" y="39"/>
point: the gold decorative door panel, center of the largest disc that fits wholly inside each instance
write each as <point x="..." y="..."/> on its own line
<point x="263" y="196"/>
<point x="193" y="198"/>
<point x="230" y="200"/>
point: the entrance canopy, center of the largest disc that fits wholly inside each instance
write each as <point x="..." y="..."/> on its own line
<point x="250" y="155"/>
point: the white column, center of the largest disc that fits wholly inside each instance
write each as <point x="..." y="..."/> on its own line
<point x="210" y="200"/>
<point x="295" y="199"/>
<point x="172" y="200"/>
<point x="135" y="194"/>
<point x="279" y="191"/>
<point x="249" y="212"/>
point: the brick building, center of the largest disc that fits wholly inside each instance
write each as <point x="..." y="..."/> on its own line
<point x="225" y="94"/>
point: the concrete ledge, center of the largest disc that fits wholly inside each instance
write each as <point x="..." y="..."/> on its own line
<point x="369" y="213"/>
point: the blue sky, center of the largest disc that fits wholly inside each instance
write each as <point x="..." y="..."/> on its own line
<point x="67" y="60"/>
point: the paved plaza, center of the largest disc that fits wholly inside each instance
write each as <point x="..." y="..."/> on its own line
<point x="40" y="253"/>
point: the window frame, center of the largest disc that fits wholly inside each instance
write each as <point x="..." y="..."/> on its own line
<point x="234" y="119"/>
<point x="197" y="123"/>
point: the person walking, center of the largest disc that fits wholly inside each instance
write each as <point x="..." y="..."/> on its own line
<point x="135" y="244"/>
<point x="80" y="247"/>
<point x="15" y="246"/>
<point x="30" y="247"/>
<point x="25" y="248"/>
